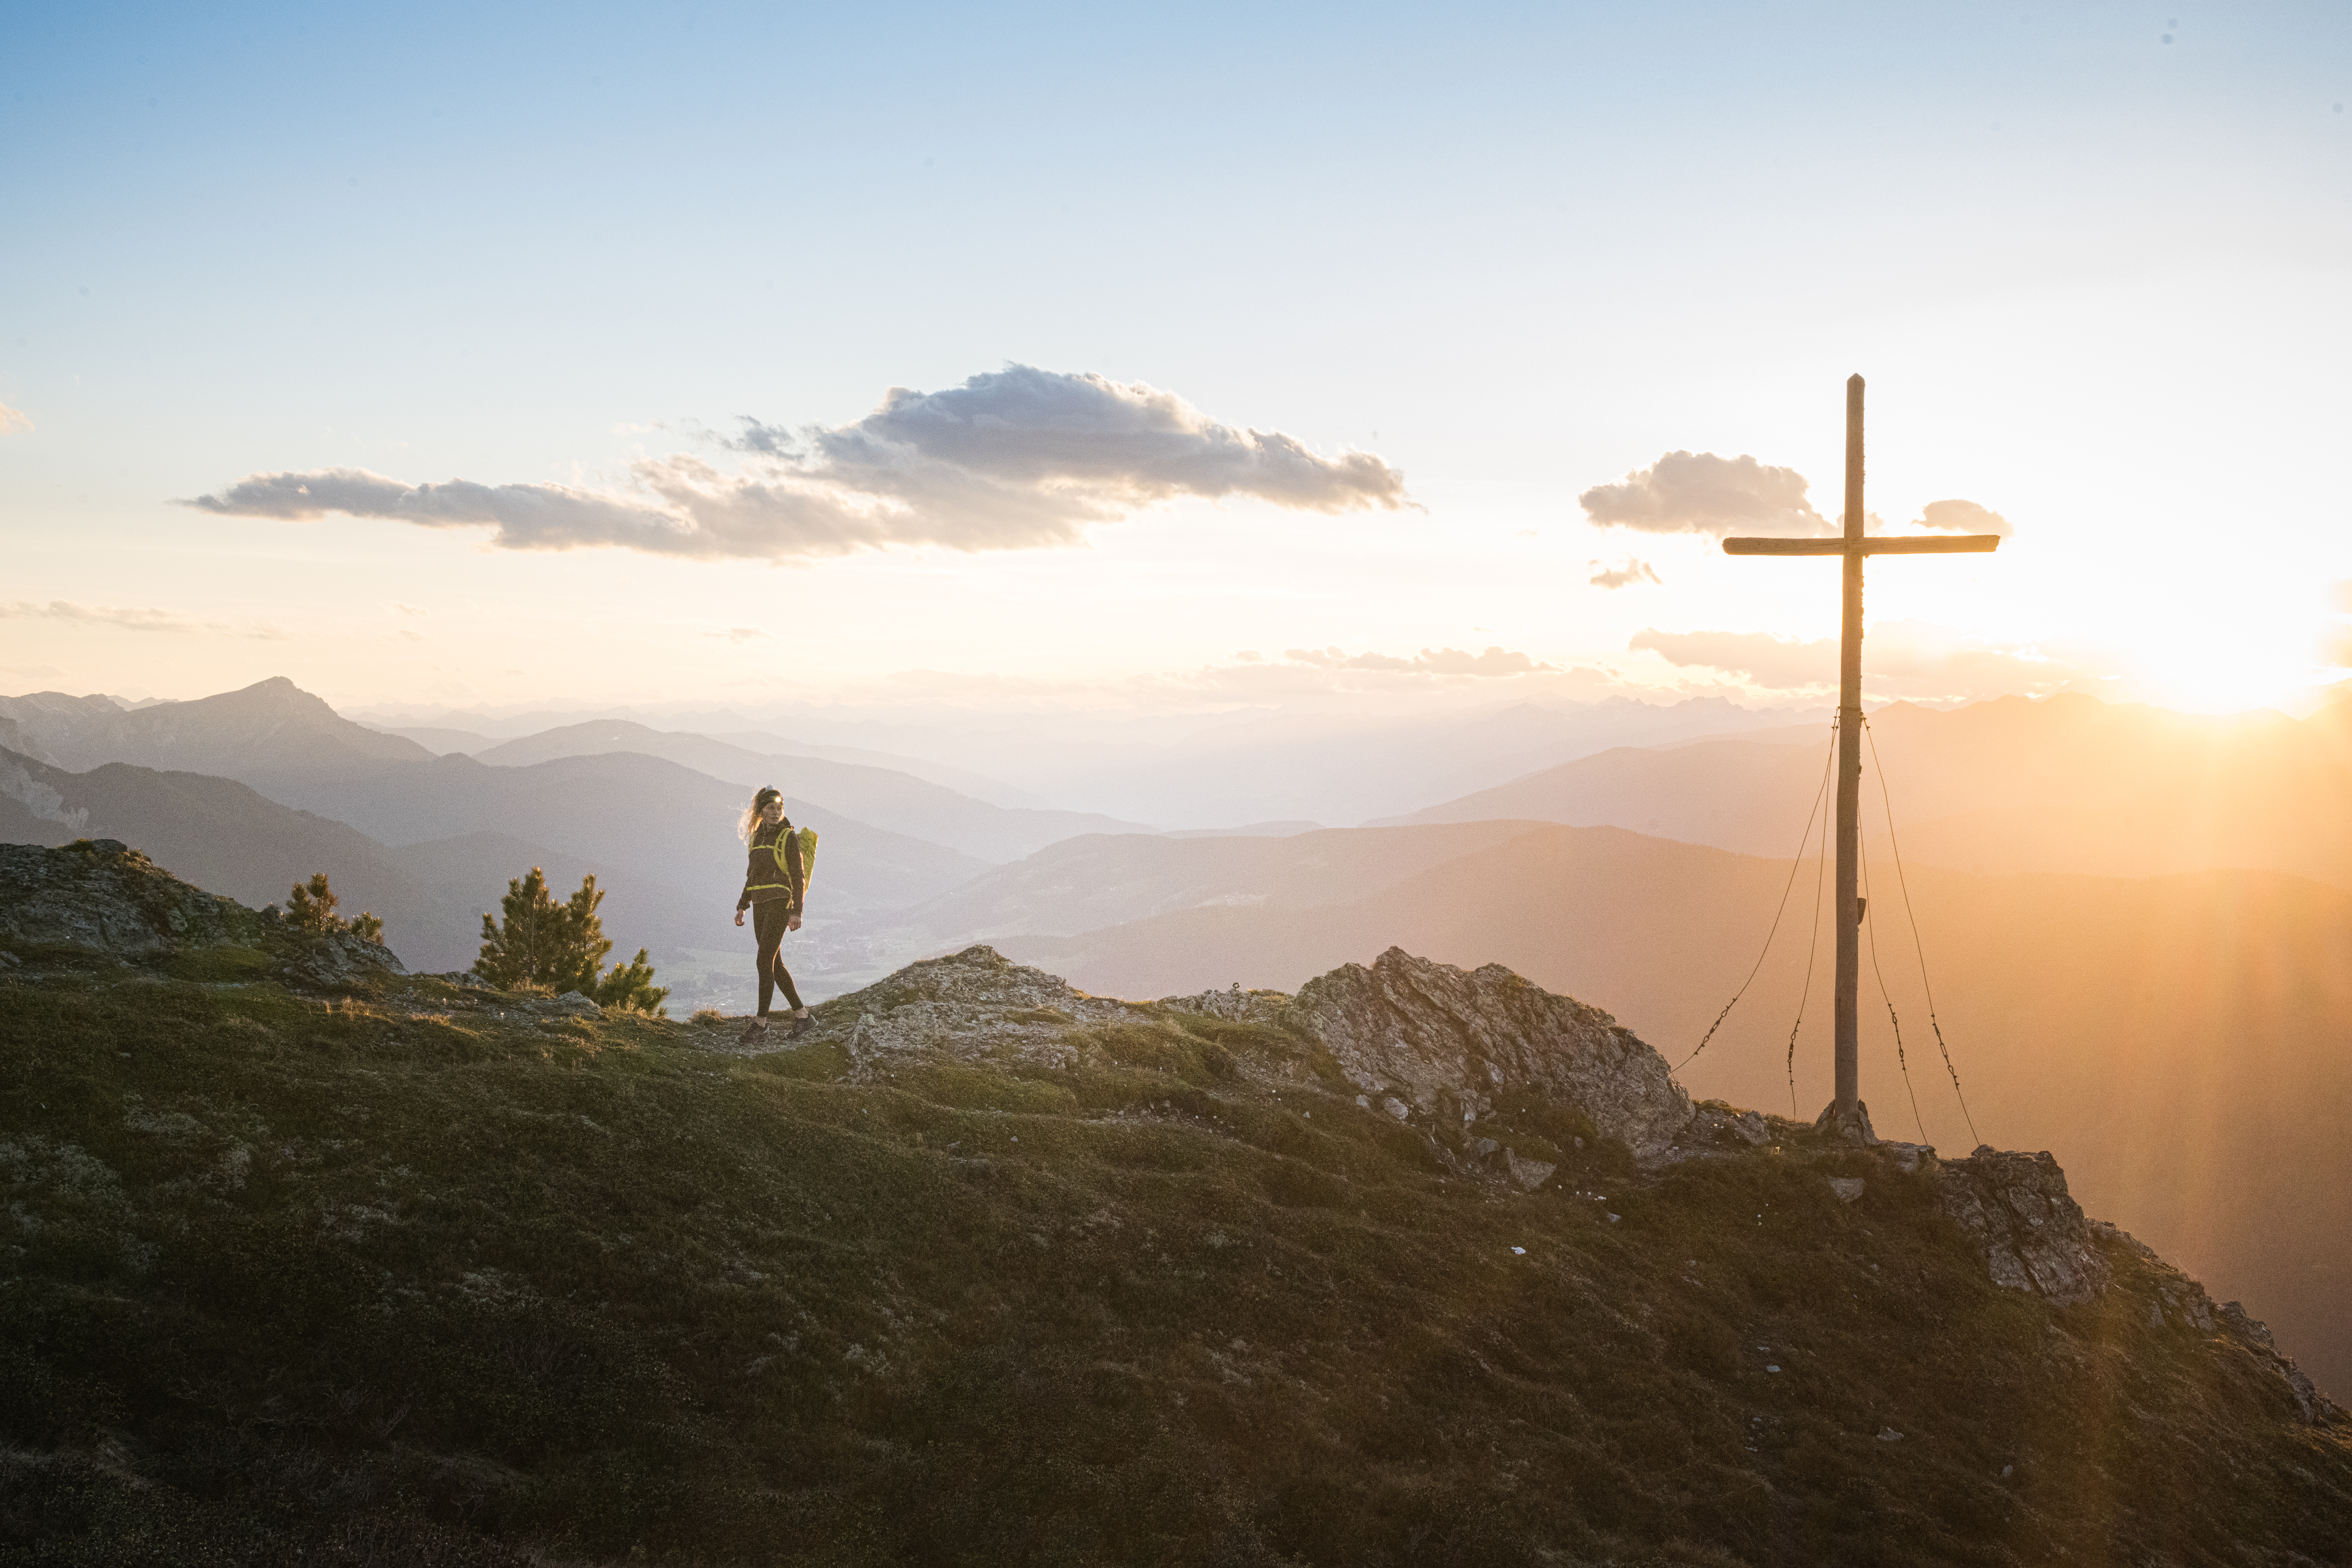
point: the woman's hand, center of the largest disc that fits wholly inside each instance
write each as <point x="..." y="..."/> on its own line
<point x="738" y="917"/>
<point x="793" y="923"/>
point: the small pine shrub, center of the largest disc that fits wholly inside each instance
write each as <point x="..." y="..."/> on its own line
<point x="630" y="987"/>
<point x="310" y="908"/>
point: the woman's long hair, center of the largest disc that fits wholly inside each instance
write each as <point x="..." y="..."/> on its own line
<point x="750" y="822"/>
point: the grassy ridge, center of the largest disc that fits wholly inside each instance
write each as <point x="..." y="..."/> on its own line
<point x="417" y="1276"/>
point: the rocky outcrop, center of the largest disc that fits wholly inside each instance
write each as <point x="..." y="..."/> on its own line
<point x="1420" y="1039"/>
<point x="1447" y="1041"/>
<point x="969" y="1005"/>
<point x="2030" y="1229"/>
<point x="2180" y="1303"/>
<point x="101" y="899"/>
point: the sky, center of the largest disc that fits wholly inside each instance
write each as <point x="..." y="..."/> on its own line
<point x="838" y="363"/>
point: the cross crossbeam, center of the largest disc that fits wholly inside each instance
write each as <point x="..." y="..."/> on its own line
<point x="1948" y="544"/>
<point x="1846" y="1114"/>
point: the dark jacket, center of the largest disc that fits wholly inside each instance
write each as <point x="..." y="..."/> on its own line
<point x="764" y="879"/>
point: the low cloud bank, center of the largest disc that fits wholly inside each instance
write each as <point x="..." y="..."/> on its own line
<point x="13" y="419"/>
<point x="1018" y="458"/>
<point x="130" y="618"/>
<point x="1904" y="659"/>
<point x="1430" y="661"/>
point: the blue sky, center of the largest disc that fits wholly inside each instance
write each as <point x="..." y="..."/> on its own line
<point x="2097" y="280"/>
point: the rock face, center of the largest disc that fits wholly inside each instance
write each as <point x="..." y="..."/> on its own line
<point x="2032" y="1232"/>
<point x="1446" y="1040"/>
<point x="99" y="898"/>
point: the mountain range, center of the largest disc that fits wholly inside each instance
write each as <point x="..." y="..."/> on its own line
<point x="2071" y="784"/>
<point x="295" y="749"/>
<point x="883" y="798"/>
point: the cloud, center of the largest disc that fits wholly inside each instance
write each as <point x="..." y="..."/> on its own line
<point x="527" y="516"/>
<point x="1756" y="656"/>
<point x="1698" y="492"/>
<point x="737" y="634"/>
<point x="1430" y="661"/>
<point x="132" y="619"/>
<point x="1632" y="572"/>
<point x="126" y="619"/>
<point x="418" y="611"/>
<point x="1962" y="517"/>
<point x="1018" y="458"/>
<point x="1904" y="659"/>
<point x="12" y="419"/>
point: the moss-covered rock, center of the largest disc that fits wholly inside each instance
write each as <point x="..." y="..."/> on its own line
<point x="99" y="903"/>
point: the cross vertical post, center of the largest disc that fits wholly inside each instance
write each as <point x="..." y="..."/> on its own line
<point x="1846" y="1115"/>
<point x="1847" y="1017"/>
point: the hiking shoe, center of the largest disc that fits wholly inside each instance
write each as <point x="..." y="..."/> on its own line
<point x="756" y="1029"/>
<point x="801" y="1025"/>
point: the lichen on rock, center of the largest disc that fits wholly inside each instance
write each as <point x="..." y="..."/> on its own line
<point x="2030" y="1229"/>
<point x="1430" y="1032"/>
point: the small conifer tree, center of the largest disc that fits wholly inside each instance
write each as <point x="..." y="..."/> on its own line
<point x="631" y="986"/>
<point x="540" y="943"/>
<point x="310" y="907"/>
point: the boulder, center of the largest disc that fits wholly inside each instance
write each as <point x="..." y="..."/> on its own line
<point x="332" y="961"/>
<point x="1432" y="1034"/>
<point x="2030" y="1229"/>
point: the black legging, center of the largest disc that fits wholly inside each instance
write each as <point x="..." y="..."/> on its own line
<point x="768" y="925"/>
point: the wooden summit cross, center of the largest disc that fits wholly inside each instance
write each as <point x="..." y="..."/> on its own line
<point x="1845" y="1114"/>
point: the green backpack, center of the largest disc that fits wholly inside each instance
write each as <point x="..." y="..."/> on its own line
<point x="808" y="860"/>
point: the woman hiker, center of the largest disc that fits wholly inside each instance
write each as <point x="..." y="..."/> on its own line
<point x="772" y="888"/>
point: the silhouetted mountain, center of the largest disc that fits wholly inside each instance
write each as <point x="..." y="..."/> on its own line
<point x="2184" y="1036"/>
<point x="2071" y="784"/>
<point x="466" y="876"/>
<point x="227" y="837"/>
<point x="947" y="775"/>
<point x="659" y="837"/>
<point x="441" y="742"/>
<point x="880" y="797"/>
<point x="650" y="820"/>
<point x="271" y="734"/>
<point x="1102" y="880"/>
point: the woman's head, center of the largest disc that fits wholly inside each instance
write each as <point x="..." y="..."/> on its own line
<point x="767" y="807"/>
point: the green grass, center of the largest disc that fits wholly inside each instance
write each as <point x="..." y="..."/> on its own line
<point x="282" y="1280"/>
